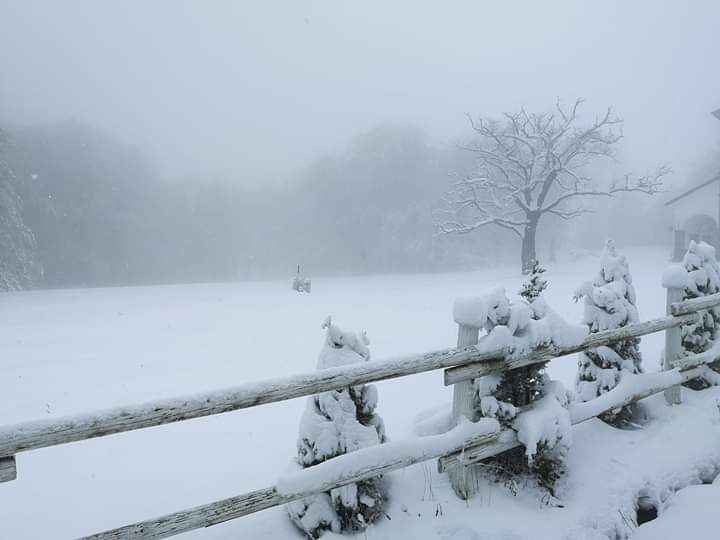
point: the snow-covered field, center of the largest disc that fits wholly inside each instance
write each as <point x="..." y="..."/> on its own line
<point x="69" y="351"/>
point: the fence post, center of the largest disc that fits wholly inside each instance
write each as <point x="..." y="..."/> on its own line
<point x="463" y="478"/>
<point x="673" y="345"/>
<point x="678" y="244"/>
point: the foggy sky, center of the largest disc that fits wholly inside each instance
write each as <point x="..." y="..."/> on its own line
<point x="257" y="89"/>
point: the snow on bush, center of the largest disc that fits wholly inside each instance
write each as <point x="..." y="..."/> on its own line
<point x="535" y="284"/>
<point x="547" y="423"/>
<point x="698" y="275"/>
<point x="336" y="423"/>
<point x="301" y="283"/>
<point x="521" y="327"/>
<point x="610" y="303"/>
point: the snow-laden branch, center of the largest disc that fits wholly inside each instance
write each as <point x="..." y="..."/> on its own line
<point x="478" y="201"/>
<point x="649" y="184"/>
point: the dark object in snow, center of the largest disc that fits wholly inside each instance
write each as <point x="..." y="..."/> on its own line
<point x="646" y="510"/>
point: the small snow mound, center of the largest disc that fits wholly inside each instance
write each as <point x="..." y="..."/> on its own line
<point x="342" y="348"/>
<point x="547" y="423"/>
<point x="313" y="513"/>
<point x="475" y="310"/>
<point x="675" y="277"/>
<point x="520" y="332"/>
<point x="433" y="421"/>
<point x="518" y="327"/>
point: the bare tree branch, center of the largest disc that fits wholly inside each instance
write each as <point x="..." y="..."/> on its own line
<point x="532" y="164"/>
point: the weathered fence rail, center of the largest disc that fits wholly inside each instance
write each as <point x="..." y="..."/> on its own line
<point x="453" y="453"/>
<point x="33" y="435"/>
<point x="456" y="450"/>
<point x="330" y="474"/>
<point x="474" y="370"/>
<point x="652" y="383"/>
<point x="466" y="362"/>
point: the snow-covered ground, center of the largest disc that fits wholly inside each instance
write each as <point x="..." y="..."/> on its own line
<point x="70" y="351"/>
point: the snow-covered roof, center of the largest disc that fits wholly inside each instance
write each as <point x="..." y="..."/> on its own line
<point x="693" y="190"/>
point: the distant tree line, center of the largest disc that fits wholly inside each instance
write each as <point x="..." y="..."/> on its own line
<point x="80" y="208"/>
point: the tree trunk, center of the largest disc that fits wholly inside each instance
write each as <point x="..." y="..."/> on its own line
<point x="528" y="255"/>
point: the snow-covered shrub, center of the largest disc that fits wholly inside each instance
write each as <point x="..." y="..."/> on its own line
<point x="300" y="283"/>
<point x="698" y="275"/>
<point x="336" y="423"/>
<point x="520" y="328"/>
<point x="546" y="432"/>
<point x="535" y="284"/>
<point x="610" y="303"/>
<point x="521" y="386"/>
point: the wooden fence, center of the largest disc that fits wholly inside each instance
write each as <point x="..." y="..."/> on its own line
<point x="456" y="450"/>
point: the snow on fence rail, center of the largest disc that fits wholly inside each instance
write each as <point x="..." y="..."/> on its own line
<point x="40" y="434"/>
<point x="474" y="362"/>
<point x="466" y="444"/>
<point x="473" y="370"/>
<point x="456" y="449"/>
<point x="339" y="471"/>
<point x="630" y="389"/>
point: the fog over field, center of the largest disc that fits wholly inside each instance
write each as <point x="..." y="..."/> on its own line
<point x="258" y="90"/>
<point x="191" y="126"/>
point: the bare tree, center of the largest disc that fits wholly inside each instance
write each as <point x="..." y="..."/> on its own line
<point x="534" y="164"/>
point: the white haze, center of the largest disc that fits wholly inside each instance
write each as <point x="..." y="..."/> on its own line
<point x="169" y="141"/>
<point x="255" y="90"/>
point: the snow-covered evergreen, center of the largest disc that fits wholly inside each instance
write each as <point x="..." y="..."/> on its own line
<point x="545" y="431"/>
<point x="610" y="303"/>
<point x="336" y="423"/>
<point x="301" y="283"/>
<point x="17" y="243"/>
<point x="522" y="386"/>
<point x="699" y="275"/>
<point x="535" y="284"/>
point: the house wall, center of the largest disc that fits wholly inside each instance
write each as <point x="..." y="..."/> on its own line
<point x="695" y="217"/>
<point x="704" y="201"/>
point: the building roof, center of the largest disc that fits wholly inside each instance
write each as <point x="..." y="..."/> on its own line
<point x="693" y="190"/>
